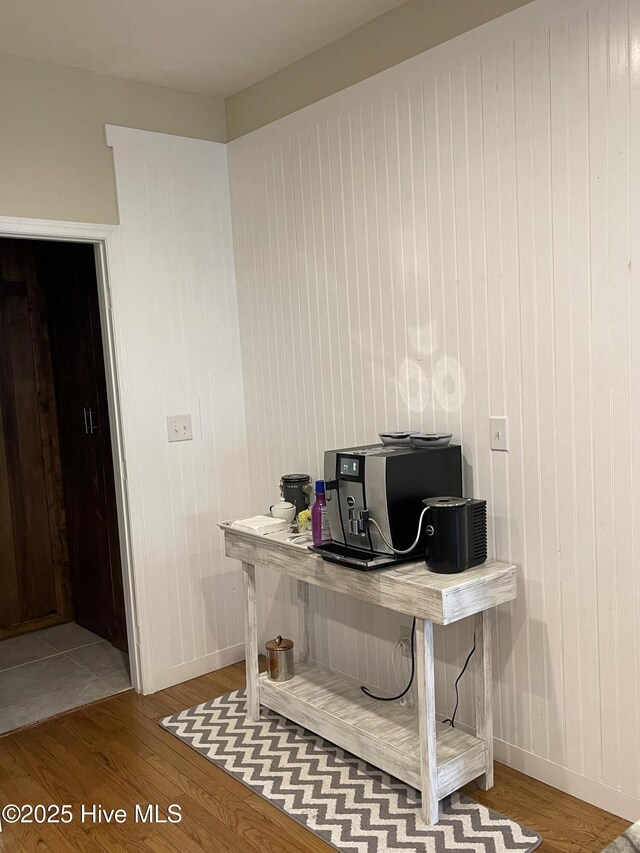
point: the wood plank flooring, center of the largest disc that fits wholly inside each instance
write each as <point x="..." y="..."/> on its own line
<point x="114" y="753"/>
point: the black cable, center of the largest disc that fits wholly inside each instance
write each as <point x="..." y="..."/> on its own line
<point x="366" y="690"/>
<point x="452" y="720"/>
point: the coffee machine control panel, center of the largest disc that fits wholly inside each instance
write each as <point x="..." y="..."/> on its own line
<point x="351" y="468"/>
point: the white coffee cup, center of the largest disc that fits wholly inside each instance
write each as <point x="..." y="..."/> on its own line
<point x="283" y="509"/>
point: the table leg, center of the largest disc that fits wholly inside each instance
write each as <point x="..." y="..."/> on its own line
<point x="303" y="621"/>
<point x="484" y="692"/>
<point x="251" y="641"/>
<point x="427" y="721"/>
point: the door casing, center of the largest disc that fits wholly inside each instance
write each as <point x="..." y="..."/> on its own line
<point x="106" y="241"/>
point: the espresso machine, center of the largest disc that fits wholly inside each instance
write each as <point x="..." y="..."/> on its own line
<point x="375" y="496"/>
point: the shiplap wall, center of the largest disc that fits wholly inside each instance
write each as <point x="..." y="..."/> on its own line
<point x="178" y="351"/>
<point x="454" y="238"/>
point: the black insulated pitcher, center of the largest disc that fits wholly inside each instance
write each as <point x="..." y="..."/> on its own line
<point x="456" y="534"/>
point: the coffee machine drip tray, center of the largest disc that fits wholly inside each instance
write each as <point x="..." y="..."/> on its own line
<point x="363" y="560"/>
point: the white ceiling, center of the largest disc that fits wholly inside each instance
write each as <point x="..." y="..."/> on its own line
<point x="214" y="47"/>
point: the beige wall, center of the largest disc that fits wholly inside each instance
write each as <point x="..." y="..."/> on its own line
<point x="393" y="37"/>
<point x="54" y="162"/>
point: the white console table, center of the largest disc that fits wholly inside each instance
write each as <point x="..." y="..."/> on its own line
<point x="411" y="745"/>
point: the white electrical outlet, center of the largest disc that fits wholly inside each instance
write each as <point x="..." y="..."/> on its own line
<point x="499" y="433"/>
<point x="179" y="428"/>
<point x="405" y="639"/>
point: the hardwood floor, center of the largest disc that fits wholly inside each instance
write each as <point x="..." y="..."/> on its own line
<point x="114" y="753"/>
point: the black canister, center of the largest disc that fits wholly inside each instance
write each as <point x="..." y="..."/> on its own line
<point x="457" y="534"/>
<point x="296" y="488"/>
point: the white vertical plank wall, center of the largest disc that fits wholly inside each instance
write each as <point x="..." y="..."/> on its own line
<point x="454" y="238"/>
<point x="178" y="352"/>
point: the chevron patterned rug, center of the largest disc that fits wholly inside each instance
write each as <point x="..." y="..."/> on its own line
<point x="628" y="842"/>
<point x="348" y="803"/>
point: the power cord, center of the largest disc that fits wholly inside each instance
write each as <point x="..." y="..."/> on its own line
<point x="366" y="690"/>
<point x="452" y="719"/>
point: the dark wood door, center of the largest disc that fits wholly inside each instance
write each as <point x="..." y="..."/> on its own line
<point x="68" y="274"/>
<point x="34" y="571"/>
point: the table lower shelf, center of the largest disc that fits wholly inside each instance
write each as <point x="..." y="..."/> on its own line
<point x="383" y="733"/>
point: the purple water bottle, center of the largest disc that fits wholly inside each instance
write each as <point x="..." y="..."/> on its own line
<point x="320" y="517"/>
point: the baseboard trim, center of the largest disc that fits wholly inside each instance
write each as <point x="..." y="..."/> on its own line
<point x="568" y="781"/>
<point x="200" y="666"/>
<point x="596" y="793"/>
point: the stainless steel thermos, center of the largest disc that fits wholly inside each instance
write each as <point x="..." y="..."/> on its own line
<point x="280" y="659"/>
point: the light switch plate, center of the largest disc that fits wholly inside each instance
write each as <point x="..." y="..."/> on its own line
<point x="499" y="433"/>
<point x="179" y="428"/>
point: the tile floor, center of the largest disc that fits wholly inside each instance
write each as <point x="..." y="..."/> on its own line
<point x="54" y="670"/>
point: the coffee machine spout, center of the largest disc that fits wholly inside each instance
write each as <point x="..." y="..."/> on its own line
<point x="358" y="521"/>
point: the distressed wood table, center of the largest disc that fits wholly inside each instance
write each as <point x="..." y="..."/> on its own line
<point x="407" y="743"/>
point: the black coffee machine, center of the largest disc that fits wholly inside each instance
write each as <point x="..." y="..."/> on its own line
<point x="383" y="509"/>
<point x="374" y="500"/>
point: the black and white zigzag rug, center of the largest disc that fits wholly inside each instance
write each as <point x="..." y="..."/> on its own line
<point x="345" y="801"/>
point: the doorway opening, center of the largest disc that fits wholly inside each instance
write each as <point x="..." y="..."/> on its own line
<point x="63" y="634"/>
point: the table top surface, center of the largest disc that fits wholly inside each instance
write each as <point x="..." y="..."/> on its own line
<point x="407" y="587"/>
